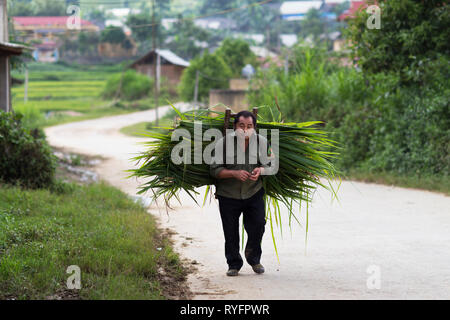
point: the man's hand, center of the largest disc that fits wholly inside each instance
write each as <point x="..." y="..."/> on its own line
<point x="256" y="173"/>
<point x="241" y="175"/>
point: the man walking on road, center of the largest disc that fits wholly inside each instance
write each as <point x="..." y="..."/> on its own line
<point x="239" y="190"/>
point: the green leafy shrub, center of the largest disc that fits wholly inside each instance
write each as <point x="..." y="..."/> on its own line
<point x="382" y="124"/>
<point x="215" y="74"/>
<point x="303" y="95"/>
<point x="412" y="32"/>
<point x="32" y="117"/>
<point x="236" y="53"/>
<point x="129" y="85"/>
<point x="25" y="157"/>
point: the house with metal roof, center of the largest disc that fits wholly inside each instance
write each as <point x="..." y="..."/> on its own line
<point x="297" y="10"/>
<point x="170" y="65"/>
<point x="216" y="23"/>
<point x="7" y="49"/>
<point x="47" y="30"/>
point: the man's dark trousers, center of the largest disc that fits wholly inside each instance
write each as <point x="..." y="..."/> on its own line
<point x="254" y="223"/>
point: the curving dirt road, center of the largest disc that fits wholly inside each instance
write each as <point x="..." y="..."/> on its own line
<point x="377" y="242"/>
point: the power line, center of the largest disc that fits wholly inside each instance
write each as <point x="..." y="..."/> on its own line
<point x="211" y="78"/>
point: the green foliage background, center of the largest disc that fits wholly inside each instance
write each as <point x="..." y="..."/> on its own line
<point x="216" y="69"/>
<point x="128" y="85"/>
<point x="25" y="156"/>
<point x="392" y="113"/>
<point x="214" y="75"/>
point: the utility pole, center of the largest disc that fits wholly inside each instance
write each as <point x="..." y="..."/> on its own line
<point x="278" y="32"/>
<point x="155" y="63"/>
<point x="286" y="65"/>
<point x="25" y="95"/>
<point x="196" y="89"/>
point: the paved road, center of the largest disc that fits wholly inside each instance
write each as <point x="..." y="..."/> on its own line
<point x="378" y="242"/>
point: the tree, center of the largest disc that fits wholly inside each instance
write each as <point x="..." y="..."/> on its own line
<point x="259" y="19"/>
<point x="412" y="33"/>
<point x="185" y="38"/>
<point x="115" y="35"/>
<point x="49" y="8"/>
<point x="16" y="8"/>
<point x="112" y="34"/>
<point x="214" y="74"/>
<point x="213" y="6"/>
<point x="36" y="8"/>
<point x="236" y="54"/>
<point x="96" y="16"/>
<point x="162" y="7"/>
<point x="87" y="43"/>
<point x="129" y="85"/>
<point x="254" y="18"/>
<point x="340" y="8"/>
<point x="141" y="26"/>
<point x="144" y="25"/>
<point x="313" y="25"/>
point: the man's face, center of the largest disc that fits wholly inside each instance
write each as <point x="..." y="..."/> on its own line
<point x="244" y="127"/>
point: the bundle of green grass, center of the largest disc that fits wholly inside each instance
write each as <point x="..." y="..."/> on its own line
<point x="305" y="153"/>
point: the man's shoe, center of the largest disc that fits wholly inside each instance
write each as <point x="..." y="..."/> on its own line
<point x="258" y="268"/>
<point x="232" y="272"/>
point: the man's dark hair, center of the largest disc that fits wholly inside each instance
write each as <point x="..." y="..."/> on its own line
<point x="245" y="114"/>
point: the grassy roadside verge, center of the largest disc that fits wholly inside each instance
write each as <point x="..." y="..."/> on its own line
<point x="35" y="119"/>
<point x="439" y="184"/>
<point x="94" y="113"/>
<point x="114" y="241"/>
<point x="140" y="128"/>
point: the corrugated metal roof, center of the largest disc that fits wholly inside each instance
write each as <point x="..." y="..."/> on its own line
<point x="165" y="54"/>
<point x="13" y="48"/>
<point x="172" y="57"/>
<point x="299" y="7"/>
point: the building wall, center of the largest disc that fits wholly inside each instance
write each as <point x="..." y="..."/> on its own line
<point x="29" y="34"/>
<point x="234" y="99"/>
<point x="46" y="55"/>
<point x="171" y="72"/>
<point x="238" y="84"/>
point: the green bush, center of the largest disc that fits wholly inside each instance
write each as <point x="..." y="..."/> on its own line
<point x="25" y="157"/>
<point x="129" y="85"/>
<point x="215" y="74"/>
<point x="32" y="117"/>
<point x="236" y="53"/>
<point x="382" y="124"/>
<point x="411" y="129"/>
<point x="412" y="32"/>
<point x="303" y="95"/>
